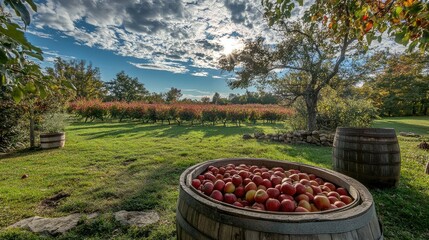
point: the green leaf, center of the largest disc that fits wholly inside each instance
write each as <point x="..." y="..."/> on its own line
<point x="13" y="31"/>
<point x="3" y="80"/>
<point x="398" y="10"/>
<point x="301" y="2"/>
<point x="413" y="45"/>
<point x="21" y="10"/>
<point x="68" y="84"/>
<point x="399" y="36"/>
<point x="30" y="87"/>
<point x="3" y="57"/>
<point x="17" y="94"/>
<point x="34" y="54"/>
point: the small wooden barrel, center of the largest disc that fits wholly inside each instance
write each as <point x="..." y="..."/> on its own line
<point x="52" y="140"/>
<point x="370" y="155"/>
<point x="200" y="217"/>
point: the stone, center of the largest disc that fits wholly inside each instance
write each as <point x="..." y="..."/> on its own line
<point x="49" y="226"/>
<point x="247" y="136"/>
<point x="258" y="134"/>
<point x="138" y="219"/>
<point x="323" y="138"/>
<point x="315" y="133"/>
<point x="408" y="134"/>
<point x="309" y="139"/>
<point x="281" y="138"/>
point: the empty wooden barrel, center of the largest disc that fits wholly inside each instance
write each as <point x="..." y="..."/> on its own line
<point x="200" y="217"/>
<point x="52" y="140"/>
<point x="370" y="155"/>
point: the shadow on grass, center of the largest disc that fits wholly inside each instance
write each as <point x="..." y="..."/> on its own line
<point x="404" y="127"/>
<point x="158" y="130"/>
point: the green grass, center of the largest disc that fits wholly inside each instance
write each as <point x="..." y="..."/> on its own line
<point x="106" y="167"/>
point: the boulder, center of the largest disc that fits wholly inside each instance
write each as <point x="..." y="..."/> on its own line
<point x="134" y="218"/>
<point x="247" y="136"/>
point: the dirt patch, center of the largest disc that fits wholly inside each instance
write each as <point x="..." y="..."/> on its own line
<point x="129" y="161"/>
<point x="54" y="201"/>
<point x="424" y="145"/>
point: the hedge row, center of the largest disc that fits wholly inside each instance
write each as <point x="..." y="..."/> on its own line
<point x="193" y="113"/>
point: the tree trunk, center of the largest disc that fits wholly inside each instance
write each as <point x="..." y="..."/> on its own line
<point x="311" y="103"/>
<point x="32" y="138"/>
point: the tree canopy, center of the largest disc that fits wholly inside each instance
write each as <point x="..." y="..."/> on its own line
<point x="406" y="20"/>
<point x="126" y="88"/>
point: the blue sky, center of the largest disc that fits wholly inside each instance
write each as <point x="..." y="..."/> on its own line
<point x="165" y="43"/>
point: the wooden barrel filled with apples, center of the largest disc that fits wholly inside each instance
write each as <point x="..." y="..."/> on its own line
<point x="342" y="208"/>
<point x="369" y="155"/>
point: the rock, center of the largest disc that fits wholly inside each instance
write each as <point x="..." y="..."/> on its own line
<point x="281" y="138"/>
<point x="258" y="134"/>
<point x="315" y="133"/>
<point x="408" y="134"/>
<point x="309" y="139"/>
<point x="323" y="138"/>
<point x="49" y="226"/>
<point x="247" y="136"/>
<point x="139" y="219"/>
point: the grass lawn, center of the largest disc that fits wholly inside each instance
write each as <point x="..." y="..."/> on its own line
<point x="106" y="167"/>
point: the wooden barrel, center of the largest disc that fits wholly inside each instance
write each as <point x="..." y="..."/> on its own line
<point x="52" y="140"/>
<point x="200" y="217"/>
<point x="370" y="155"/>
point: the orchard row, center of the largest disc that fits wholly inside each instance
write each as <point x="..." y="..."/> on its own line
<point x="193" y="113"/>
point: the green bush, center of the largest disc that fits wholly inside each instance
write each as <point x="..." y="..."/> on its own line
<point x="12" y="124"/>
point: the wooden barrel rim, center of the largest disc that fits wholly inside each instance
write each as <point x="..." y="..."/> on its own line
<point x="45" y="135"/>
<point x="333" y="221"/>
<point x="368" y="132"/>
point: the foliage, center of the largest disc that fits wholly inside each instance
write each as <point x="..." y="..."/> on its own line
<point x="53" y="122"/>
<point x="179" y="112"/>
<point x="407" y="21"/>
<point x="12" y="123"/>
<point x="126" y="88"/>
<point x="254" y="98"/>
<point x="301" y="65"/>
<point x="84" y="78"/>
<point x="173" y="95"/>
<point x="401" y="85"/>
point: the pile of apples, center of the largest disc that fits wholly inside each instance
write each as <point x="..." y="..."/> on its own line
<point x="273" y="189"/>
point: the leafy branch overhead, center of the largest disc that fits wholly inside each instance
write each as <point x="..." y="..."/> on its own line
<point x="407" y="21"/>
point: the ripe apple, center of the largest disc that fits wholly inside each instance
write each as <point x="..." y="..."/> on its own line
<point x="287" y="205"/>
<point x="239" y="191"/>
<point x="319" y="181"/>
<point x="333" y="206"/>
<point x="221" y="170"/>
<point x="288" y="188"/>
<point x="237" y="180"/>
<point x="266" y="175"/>
<point x="311" y="176"/>
<point x="332" y="199"/>
<point x="226" y="175"/>
<point x="294" y="171"/>
<point x="346" y="199"/>
<point x="321" y="202"/>
<point x="215" y="170"/>
<point x="209" y="176"/>
<point x="250" y="196"/>
<point x="273" y="192"/>
<point x="261" y="196"/>
<point x="294" y="177"/>
<point x="208" y="188"/>
<point x="339" y="204"/>
<point x="282" y="197"/>
<point x="342" y="191"/>
<point x="330" y="186"/>
<point x="303" y="176"/>
<point x="302" y="197"/>
<point x="278" y="169"/>
<point x="229" y="187"/>
<point x="275" y="180"/>
<point x="314" y="183"/>
<point x="257" y="179"/>
<point x="252" y="168"/>
<point x="314" y="208"/>
<point x="238" y="204"/>
<point x="258" y="206"/>
<point x="280" y="174"/>
<point x="309" y="189"/>
<point x="217" y="195"/>
<point x="304" y="182"/>
<point x="196" y="183"/>
<point x="272" y="204"/>
<point x="335" y="194"/>
<point x="305" y="204"/>
<point x="310" y="196"/>
<point x="250" y="186"/>
<point x="219" y="176"/>
<point x="267" y="183"/>
<point x="301" y="209"/>
<point x="230" y="198"/>
<point x="244" y="174"/>
<point x="300" y="189"/>
<point x="201" y="177"/>
<point x="246" y="181"/>
<point x="219" y="185"/>
<point x="287" y="173"/>
<point x="262" y="187"/>
<point x="228" y="179"/>
<point x="316" y="189"/>
<point x="279" y="187"/>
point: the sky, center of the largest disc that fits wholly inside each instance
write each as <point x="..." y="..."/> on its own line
<point x="164" y="43"/>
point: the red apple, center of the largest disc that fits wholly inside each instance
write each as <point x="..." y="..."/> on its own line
<point x="300" y="189"/>
<point x="278" y="169"/>
<point x="287" y="205"/>
<point x="250" y="186"/>
<point x="215" y="170"/>
<point x="230" y="198"/>
<point x="316" y="189"/>
<point x="346" y="199"/>
<point x="238" y="204"/>
<point x="302" y="197"/>
<point x="342" y="191"/>
<point x="219" y="185"/>
<point x="257" y="179"/>
<point x="282" y="197"/>
<point x="239" y="191"/>
<point x="310" y="196"/>
<point x="229" y="187"/>
<point x="339" y="204"/>
<point x="335" y="194"/>
<point x="314" y="183"/>
<point x="311" y="176"/>
<point x="266" y="175"/>
<point x="273" y="192"/>
<point x="319" y="181"/>
<point x="280" y="174"/>
<point x="217" y="195"/>
<point x="219" y="176"/>
<point x="314" y="208"/>
<point x="321" y="202"/>
<point x="244" y="174"/>
<point x="228" y="179"/>
<point x="226" y="175"/>
<point x="301" y="209"/>
<point x="279" y="187"/>
<point x="246" y="181"/>
<point x="287" y="173"/>
<point x="262" y="187"/>
<point x="201" y="177"/>
<point x="272" y="204"/>
<point x="294" y="171"/>
<point x="332" y="199"/>
<point x="261" y="196"/>
<point x="258" y="206"/>
<point x="196" y="183"/>
<point x="208" y="188"/>
<point x="237" y="180"/>
<point x="333" y="206"/>
<point x="330" y="186"/>
<point x="303" y="176"/>
<point x="309" y="189"/>
<point x="288" y="188"/>
<point x="294" y="177"/>
<point x="275" y="180"/>
<point x="209" y="176"/>
<point x="221" y="170"/>
<point x="304" y="182"/>
<point x="267" y="183"/>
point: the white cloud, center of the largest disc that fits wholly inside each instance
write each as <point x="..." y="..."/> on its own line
<point x="162" y="66"/>
<point x="39" y="34"/>
<point x="188" y="31"/>
<point x="200" y="74"/>
<point x="217" y="77"/>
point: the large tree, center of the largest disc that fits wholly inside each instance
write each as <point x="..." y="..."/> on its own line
<point x="84" y="77"/>
<point x="405" y="20"/>
<point x="173" y="95"/>
<point x="299" y="66"/>
<point x="126" y="88"/>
